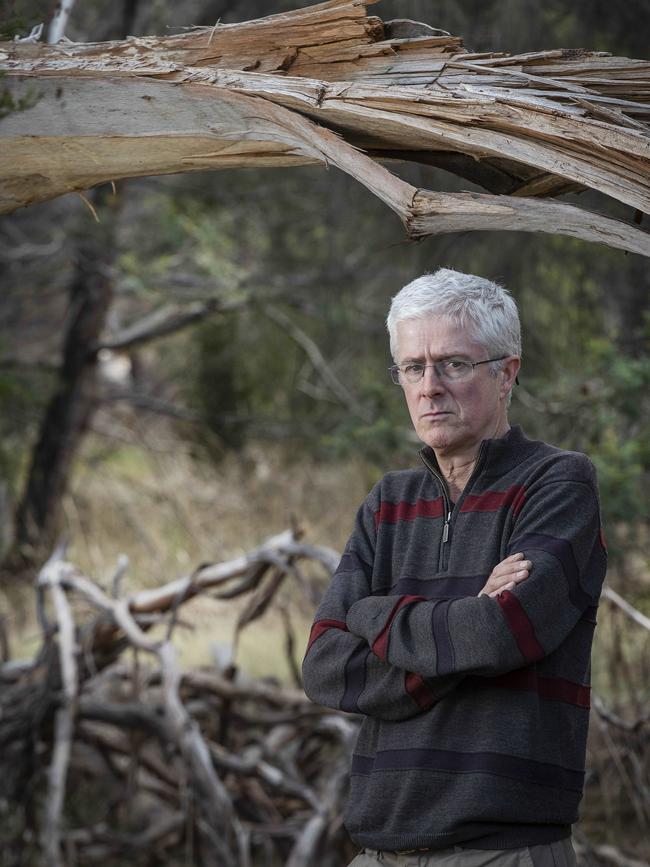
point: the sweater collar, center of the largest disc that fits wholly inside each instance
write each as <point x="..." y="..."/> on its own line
<point x="496" y="455"/>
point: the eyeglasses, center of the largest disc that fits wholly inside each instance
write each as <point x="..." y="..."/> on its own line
<point x="450" y="369"/>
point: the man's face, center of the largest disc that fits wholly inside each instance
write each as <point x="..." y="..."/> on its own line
<point x="452" y="417"/>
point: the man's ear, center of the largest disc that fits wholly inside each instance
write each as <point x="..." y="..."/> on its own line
<point x="509" y="371"/>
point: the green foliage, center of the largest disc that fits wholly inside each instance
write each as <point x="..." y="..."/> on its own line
<point x="602" y="408"/>
<point x="221" y="389"/>
<point x="19" y="17"/>
<point x="16" y="25"/>
<point x="22" y="397"/>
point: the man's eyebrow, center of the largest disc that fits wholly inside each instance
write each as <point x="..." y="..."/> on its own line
<point x="419" y="359"/>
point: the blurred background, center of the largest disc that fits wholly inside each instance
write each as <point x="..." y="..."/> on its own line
<point x="197" y="443"/>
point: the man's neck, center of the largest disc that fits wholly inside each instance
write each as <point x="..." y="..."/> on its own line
<point x="458" y="468"/>
<point x="456" y="472"/>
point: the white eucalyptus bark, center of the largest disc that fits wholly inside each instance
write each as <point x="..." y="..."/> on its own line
<point x="331" y="85"/>
<point x="56" y="30"/>
<point x="51" y="577"/>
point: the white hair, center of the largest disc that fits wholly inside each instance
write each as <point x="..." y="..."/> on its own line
<point x="485" y="309"/>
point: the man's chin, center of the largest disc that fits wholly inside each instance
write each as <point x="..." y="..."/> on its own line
<point x="432" y="426"/>
<point x="438" y="439"/>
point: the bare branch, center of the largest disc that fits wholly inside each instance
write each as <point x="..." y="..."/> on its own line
<point x="317" y="359"/>
<point x="120" y="572"/>
<point x="609" y="854"/>
<point x="56" y="30"/>
<point x="630" y="610"/>
<point x="161" y="322"/>
<point x="270" y="783"/>
<point x="613" y="719"/>
<point x="34" y="35"/>
<point x="51" y="576"/>
<point x="532" y="125"/>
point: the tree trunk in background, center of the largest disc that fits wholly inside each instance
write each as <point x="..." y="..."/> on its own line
<point x="66" y="420"/>
<point x="75" y="399"/>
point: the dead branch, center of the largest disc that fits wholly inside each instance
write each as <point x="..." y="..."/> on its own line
<point x="613" y="719"/>
<point x="56" y="30"/>
<point x="214" y="768"/>
<point x="164" y="321"/>
<point x="313" y="352"/>
<point x="625" y="606"/>
<point x="609" y="854"/>
<point x="529" y="126"/>
<point x="52" y="576"/>
<point x="256" y="785"/>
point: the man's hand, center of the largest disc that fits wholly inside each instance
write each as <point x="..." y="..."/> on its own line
<point x="507" y="574"/>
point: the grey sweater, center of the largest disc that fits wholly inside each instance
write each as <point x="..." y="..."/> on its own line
<point x="475" y="708"/>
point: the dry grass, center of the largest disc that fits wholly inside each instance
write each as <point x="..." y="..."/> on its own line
<point x="168" y="513"/>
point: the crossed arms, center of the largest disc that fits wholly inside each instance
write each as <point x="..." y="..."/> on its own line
<point x="392" y="657"/>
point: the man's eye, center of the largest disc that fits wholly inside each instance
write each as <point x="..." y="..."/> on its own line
<point x="454" y="364"/>
<point x="413" y="368"/>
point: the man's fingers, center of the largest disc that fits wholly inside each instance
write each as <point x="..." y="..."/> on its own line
<point x="508" y="562"/>
<point x="506" y="575"/>
<point x="505" y="569"/>
<point x="497" y="582"/>
<point x="501" y="589"/>
<point x="512" y="557"/>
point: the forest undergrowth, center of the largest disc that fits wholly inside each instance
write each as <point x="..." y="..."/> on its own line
<point x="169" y="511"/>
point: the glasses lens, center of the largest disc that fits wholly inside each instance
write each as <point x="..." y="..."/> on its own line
<point x="456" y="369"/>
<point x="413" y="372"/>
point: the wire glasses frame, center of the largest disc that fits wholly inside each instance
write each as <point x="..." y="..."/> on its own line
<point x="451" y="369"/>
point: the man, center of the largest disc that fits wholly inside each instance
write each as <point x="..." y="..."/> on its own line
<point x="460" y="619"/>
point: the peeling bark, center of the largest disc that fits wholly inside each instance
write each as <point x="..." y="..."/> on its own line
<point x="269" y="92"/>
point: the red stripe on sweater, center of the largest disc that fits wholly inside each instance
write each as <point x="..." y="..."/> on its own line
<point x="603" y="540"/>
<point x="380" y="644"/>
<point x="550" y="688"/>
<point x="492" y="501"/>
<point x="391" y="513"/>
<point x="322" y="626"/>
<point x="419" y="691"/>
<point x="520" y="626"/>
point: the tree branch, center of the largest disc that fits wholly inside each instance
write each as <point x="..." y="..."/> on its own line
<point x="316" y="357"/>
<point x="532" y="125"/>
<point x="163" y="321"/>
<point x="630" y="610"/>
<point x="56" y="30"/>
<point x="52" y="575"/>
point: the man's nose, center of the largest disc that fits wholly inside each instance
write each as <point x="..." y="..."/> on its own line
<point x="431" y="382"/>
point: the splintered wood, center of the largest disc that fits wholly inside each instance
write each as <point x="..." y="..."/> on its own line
<point x="267" y="93"/>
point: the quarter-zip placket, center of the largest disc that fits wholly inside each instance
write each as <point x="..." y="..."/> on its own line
<point x="445" y="545"/>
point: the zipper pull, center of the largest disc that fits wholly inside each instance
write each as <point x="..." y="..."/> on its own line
<point x="445" y="530"/>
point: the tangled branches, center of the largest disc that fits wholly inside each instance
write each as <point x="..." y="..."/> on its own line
<point x="147" y="763"/>
<point x="111" y="753"/>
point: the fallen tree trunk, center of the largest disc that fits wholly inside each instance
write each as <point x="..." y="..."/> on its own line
<point x="331" y="84"/>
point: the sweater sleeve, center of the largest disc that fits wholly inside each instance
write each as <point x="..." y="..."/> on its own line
<point x="558" y="529"/>
<point x="339" y="669"/>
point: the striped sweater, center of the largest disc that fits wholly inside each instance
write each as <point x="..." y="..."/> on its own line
<point x="475" y="708"/>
